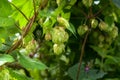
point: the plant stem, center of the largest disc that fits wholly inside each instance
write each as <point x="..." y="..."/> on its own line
<point x="81" y="56"/>
<point x="101" y="66"/>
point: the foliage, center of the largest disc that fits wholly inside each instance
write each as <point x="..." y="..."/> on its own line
<point x="59" y="40"/>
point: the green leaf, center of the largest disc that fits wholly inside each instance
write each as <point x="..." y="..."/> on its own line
<point x="5" y="58"/>
<point x="113" y="58"/>
<point x="109" y="20"/>
<point x="71" y="3"/>
<point x="26" y="6"/>
<point x="117" y="3"/>
<point x="5" y="8"/>
<point x="72" y="72"/>
<point x="94" y="74"/>
<point x="29" y="63"/>
<point x="100" y="51"/>
<point x="4" y="74"/>
<point x="18" y="76"/>
<point x="11" y="30"/>
<point x="91" y="74"/>
<point x="71" y="28"/>
<point x="3" y="33"/>
<point x="66" y="11"/>
<point x="44" y="13"/>
<point x="60" y="8"/>
<point x="6" y="21"/>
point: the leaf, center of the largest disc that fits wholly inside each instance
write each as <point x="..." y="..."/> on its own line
<point x="91" y="74"/>
<point x="117" y="3"/>
<point x="66" y="12"/>
<point x="71" y="3"/>
<point x="3" y="33"/>
<point x="6" y="21"/>
<point x="113" y="58"/>
<point x="4" y="74"/>
<point x="60" y="8"/>
<point x="72" y="72"/>
<point x="26" y="6"/>
<point x="18" y="76"/>
<point x="66" y="15"/>
<point x="94" y="74"/>
<point x="11" y="30"/>
<point x="29" y="63"/>
<point x="72" y="29"/>
<point x="44" y="13"/>
<point x="5" y="8"/>
<point x="100" y="51"/>
<point x="109" y="20"/>
<point x="5" y="58"/>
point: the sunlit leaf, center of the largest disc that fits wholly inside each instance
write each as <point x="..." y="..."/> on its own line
<point x="26" y="6"/>
<point x="4" y="74"/>
<point x="28" y="63"/>
<point x="5" y="58"/>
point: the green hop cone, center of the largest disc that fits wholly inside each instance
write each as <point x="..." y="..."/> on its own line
<point x="94" y="23"/>
<point x="31" y="45"/>
<point x="58" y="48"/>
<point x="101" y="38"/>
<point x="63" y="22"/>
<point x="95" y="34"/>
<point x="59" y="35"/>
<point x="114" y="32"/>
<point x="100" y="45"/>
<point x="103" y="26"/>
<point x="108" y="40"/>
<point x="106" y="46"/>
<point x="87" y="3"/>
<point x="58" y="2"/>
<point x="48" y="36"/>
<point x="82" y="29"/>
